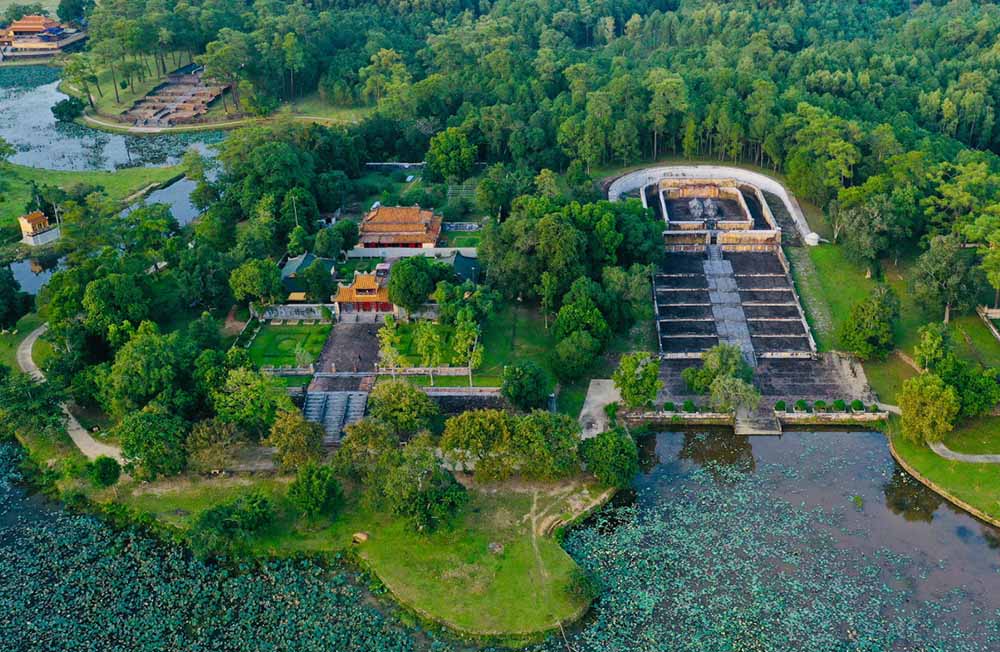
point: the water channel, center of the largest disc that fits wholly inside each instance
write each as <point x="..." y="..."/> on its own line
<point x="27" y="94"/>
<point x="807" y="542"/>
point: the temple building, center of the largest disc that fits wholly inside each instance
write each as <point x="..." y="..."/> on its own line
<point x="293" y="268"/>
<point x="368" y="292"/>
<point x="37" y="36"/>
<point x="36" y="229"/>
<point x="400" y="226"/>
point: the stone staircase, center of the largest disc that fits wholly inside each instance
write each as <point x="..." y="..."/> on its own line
<point x="335" y="411"/>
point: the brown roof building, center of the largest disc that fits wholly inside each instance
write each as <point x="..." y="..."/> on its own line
<point x="400" y="226"/>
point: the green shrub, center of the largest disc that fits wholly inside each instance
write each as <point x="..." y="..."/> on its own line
<point x="315" y="490"/>
<point x="820" y="405"/>
<point x="801" y="405"/>
<point x="669" y="407"/>
<point x="611" y="410"/>
<point x="857" y="405"/>
<point x="779" y="406"/>
<point x="104" y="471"/>
<point x="839" y="406"/>
<point x="226" y="528"/>
<point x="689" y="406"/>
<point x="612" y="457"/>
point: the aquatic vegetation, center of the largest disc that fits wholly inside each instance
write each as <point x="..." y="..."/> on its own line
<point x="715" y="558"/>
<point x="73" y="583"/>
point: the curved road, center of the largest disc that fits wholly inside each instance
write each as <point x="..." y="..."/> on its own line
<point x="87" y="444"/>
<point x="949" y="454"/>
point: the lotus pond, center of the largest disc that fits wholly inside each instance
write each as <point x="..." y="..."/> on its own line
<point x="804" y="542"/>
<point x="27" y="94"/>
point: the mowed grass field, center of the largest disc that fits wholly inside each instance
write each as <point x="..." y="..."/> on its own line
<point x="276" y="346"/>
<point x="16" y="179"/>
<point x="449" y="575"/>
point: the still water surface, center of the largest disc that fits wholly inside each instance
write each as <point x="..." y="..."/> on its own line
<point x="27" y="94"/>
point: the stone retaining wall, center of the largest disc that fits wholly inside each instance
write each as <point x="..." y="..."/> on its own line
<point x="659" y="417"/>
<point x="830" y="418"/>
<point x="944" y="493"/>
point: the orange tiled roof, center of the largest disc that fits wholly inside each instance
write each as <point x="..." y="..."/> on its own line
<point x="33" y="23"/>
<point x="349" y="294"/>
<point x="35" y="217"/>
<point x="400" y="224"/>
<point x="364" y="287"/>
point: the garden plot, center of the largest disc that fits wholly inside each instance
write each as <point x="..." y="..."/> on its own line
<point x="288" y="345"/>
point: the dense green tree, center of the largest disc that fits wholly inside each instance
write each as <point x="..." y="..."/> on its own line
<point x="637" y="379"/>
<point x="420" y="490"/>
<point x="318" y="282"/>
<point x="258" y="280"/>
<point x="944" y="277"/>
<point x="412" y="281"/>
<point x="929" y="408"/>
<point x="575" y="354"/>
<point x="720" y="360"/>
<point x="546" y="445"/>
<point x="250" y="400"/>
<point x="14" y="303"/>
<point x="315" y="490"/>
<point x="526" y="385"/>
<point x="868" y="330"/>
<point x="451" y="155"/>
<point x="728" y="393"/>
<point x="297" y="441"/>
<point x="212" y="444"/>
<point x="402" y="407"/>
<point x="482" y="438"/>
<point x="613" y="457"/>
<point x="152" y="443"/>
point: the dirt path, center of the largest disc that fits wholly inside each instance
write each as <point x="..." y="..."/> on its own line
<point x="87" y="444"/>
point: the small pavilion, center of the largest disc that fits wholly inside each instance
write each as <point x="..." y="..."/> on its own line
<point x="367" y="292"/>
<point x="36" y="229"/>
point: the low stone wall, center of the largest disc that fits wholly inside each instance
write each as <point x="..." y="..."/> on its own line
<point x="659" y="417"/>
<point x="422" y="371"/>
<point x="648" y="176"/>
<point x="988" y="315"/>
<point x="300" y="311"/>
<point x="830" y="418"/>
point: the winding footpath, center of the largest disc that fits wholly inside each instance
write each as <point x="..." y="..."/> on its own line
<point x="87" y="444"/>
<point x="943" y="451"/>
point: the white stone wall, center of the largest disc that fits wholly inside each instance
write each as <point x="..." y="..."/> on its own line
<point x="646" y="176"/>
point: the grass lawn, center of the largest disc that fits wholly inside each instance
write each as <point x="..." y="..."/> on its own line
<point x="118" y="184"/>
<point x="979" y="436"/>
<point x="276" y="345"/>
<point x="449" y="576"/>
<point x="461" y="238"/>
<point x="314" y="106"/>
<point x="10" y="341"/>
<point x="886" y="377"/>
<point x="976" y="484"/>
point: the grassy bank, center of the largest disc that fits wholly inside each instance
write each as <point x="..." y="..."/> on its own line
<point x="975" y="484"/>
<point x="118" y="184"/>
<point x="450" y="576"/>
<point x="9" y="341"/>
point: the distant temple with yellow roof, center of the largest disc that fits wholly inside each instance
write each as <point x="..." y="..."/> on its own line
<point x="36" y="230"/>
<point x="37" y="36"/>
